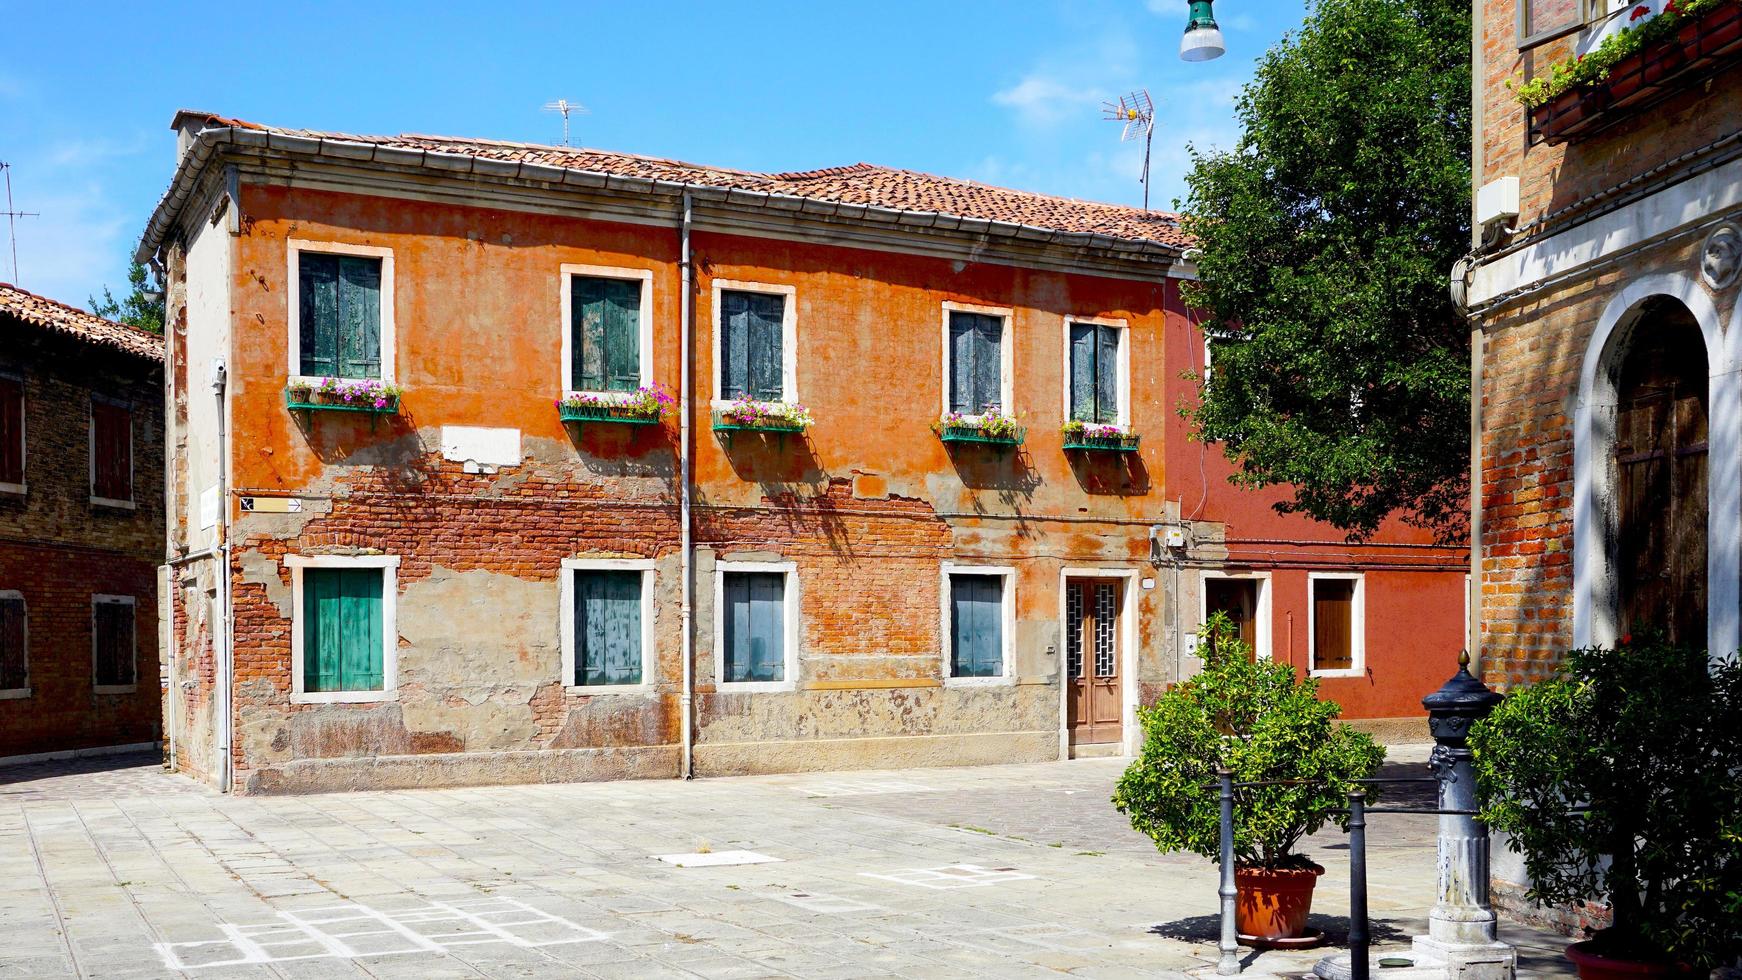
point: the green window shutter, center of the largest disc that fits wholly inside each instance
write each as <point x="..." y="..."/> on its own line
<point x="735" y="344"/>
<point x="586" y="340"/>
<point x="14" y="668"/>
<point x="755" y="626"/>
<point x="1107" y="375"/>
<point x="605" y="334"/>
<point x="977" y="626"/>
<point x="359" y="317"/>
<point x="976" y="362"/>
<point x="342" y="629"/>
<point x="318" y="313"/>
<point x="752" y="345"/>
<point x="1083" y="344"/>
<point x="607" y="627"/>
<point x="623" y="334"/>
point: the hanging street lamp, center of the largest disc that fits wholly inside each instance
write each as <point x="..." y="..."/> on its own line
<point x="1203" y="40"/>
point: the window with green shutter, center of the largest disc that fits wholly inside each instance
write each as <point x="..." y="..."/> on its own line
<point x="976" y="362"/>
<point x="605" y="333"/>
<point x="339" y="315"/>
<point x="976" y="625"/>
<point x="752" y="335"/>
<point x="607" y="627"/>
<point x="754" y="634"/>
<point x="341" y="629"/>
<point x="1095" y="373"/>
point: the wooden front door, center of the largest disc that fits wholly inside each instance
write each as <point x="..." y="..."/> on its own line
<point x="1096" y="701"/>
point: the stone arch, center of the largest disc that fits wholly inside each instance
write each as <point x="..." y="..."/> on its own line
<point x="1595" y="582"/>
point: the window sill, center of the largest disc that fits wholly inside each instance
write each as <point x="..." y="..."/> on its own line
<point x="1002" y="680"/>
<point x="754" y="687"/>
<point x="597" y="690"/>
<point x="114" y="504"/>
<point x="343" y="697"/>
<point x="1349" y="672"/>
<point x="116" y="688"/>
<point x="17" y="489"/>
<point x="15" y="694"/>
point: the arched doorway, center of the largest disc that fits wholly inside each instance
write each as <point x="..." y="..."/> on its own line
<point x="1661" y="475"/>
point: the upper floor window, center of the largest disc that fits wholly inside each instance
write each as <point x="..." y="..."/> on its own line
<point x="11" y="434"/>
<point x="755" y="342"/>
<point x="14" y="643"/>
<point x="111" y="453"/>
<point x="341" y="313"/>
<point x="112" y="643"/>
<point x="1543" y="20"/>
<point x="1097" y="372"/>
<point x="608" y="342"/>
<point x="976" y="359"/>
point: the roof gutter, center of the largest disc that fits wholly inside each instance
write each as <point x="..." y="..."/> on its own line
<point x="208" y="143"/>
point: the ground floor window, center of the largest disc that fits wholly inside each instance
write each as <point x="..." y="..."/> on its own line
<point x="756" y="635"/>
<point x="1239" y="600"/>
<point x="974" y="616"/>
<point x="1336" y="624"/>
<point x="344" y="636"/>
<point x="14" y="642"/>
<point x="112" y="643"/>
<point x="607" y="610"/>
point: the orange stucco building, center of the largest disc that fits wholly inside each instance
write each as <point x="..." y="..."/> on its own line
<point x="487" y="563"/>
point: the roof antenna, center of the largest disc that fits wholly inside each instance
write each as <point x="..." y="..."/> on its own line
<point x="565" y="107"/>
<point x="12" y="216"/>
<point x="1137" y="112"/>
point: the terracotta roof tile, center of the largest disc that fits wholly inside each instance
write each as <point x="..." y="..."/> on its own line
<point x="860" y="183"/>
<point x="41" y="311"/>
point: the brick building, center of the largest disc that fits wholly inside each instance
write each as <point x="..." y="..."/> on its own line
<point x="81" y="529"/>
<point x="454" y="578"/>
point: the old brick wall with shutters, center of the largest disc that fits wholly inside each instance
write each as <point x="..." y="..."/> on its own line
<point x="58" y="549"/>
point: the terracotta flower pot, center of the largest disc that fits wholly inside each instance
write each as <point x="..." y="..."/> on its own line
<point x="1596" y="966"/>
<point x="1273" y="904"/>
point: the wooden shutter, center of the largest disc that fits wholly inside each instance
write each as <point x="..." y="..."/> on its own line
<point x="113" y="623"/>
<point x="1238" y="599"/>
<point x="14" y="660"/>
<point x="342" y="629"/>
<point x="1333" y="623"/>
<point x="976" y="626"/>
<point x="976" y="362"/>
<point x="1095" y="373"/>
<point x="1107" y="374"/>
<point x="1083" y="349"/>
<point x="755" y="626"/>
<point x="605" y="341"/>
<point x="11" y="430"/>
<point x="111" y="451"/>
<point x="318" y="313"/>
<point x="359" y="317"/>
<point x="752" y="346"/>
<point x="607" y="627"/>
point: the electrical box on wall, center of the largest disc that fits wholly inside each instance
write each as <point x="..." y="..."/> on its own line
<point x="1497" y="200"/>
<point x="1175" y="537"/>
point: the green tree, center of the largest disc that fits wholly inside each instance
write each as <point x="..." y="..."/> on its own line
<point x="1327" y="233"/>
<point x="142" y="307"/>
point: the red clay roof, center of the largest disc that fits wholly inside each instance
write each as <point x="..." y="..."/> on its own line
<point x="41" y="311"/>
<point x="859" y="183"/>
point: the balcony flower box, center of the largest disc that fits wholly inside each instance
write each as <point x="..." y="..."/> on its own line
<point x="1090" y="437"/>
<point x="342" y="395"/>
<point x="647" y="405"/>
<point x="991" y="428"/>
<point x="747" y="415"/>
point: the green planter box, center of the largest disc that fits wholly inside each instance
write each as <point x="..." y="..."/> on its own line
<point x="1104" y="444"/>
<point x="974" y="436"/>
<point x="604" y="413"/>
<point x="724" y="424"/>
<point x="314" y="401"/>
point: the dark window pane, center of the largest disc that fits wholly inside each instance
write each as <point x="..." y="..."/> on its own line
<point x="754" y="623"/>
<point x="976" y="362"/>
<point x="11" y="430"/>
<point x="14" y="660"/>
<point x="607" y="627"/>
<point x="976" y="626"/>
<point x="113" y="623"/>
<point x="605" y="338"/>
<point x="752" y="345"/>
<point x="111" y="451"/>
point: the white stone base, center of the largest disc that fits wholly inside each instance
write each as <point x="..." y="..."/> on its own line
<point x="1433" y="961"/>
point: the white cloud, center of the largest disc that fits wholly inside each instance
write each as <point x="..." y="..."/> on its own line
<point x="81" y="235"/>
<point x="1042" y="100"/>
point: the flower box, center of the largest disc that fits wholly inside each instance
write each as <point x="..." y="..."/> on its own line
<point x="992" y="428"/>
<point x="745" y="415"/>
<point x="970" y="434"/>
<point x="343" y="395"/>
<point x="605" y="413"/>
<point x="1099" y="438"/>
<point x="645" y="406"/>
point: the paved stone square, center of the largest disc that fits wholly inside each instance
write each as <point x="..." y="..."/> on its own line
<point x="112" y="868"/>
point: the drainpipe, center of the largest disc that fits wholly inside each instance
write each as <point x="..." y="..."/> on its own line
<point x="221" y="632"/>
<point x="173" y="688"/>
<point x="1473" y="597"/>
<point x="686" y="700"/>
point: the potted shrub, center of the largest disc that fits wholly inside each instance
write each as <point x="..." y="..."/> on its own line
<point x="1618" y="781"/>
<point x="1262" y="722"/>
<point x="991" y="426"/>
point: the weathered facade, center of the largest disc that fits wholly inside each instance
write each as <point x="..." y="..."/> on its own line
<point x="81" y="529"/>
<point x="1603" y="292"/>
<point x="461" y="586"/>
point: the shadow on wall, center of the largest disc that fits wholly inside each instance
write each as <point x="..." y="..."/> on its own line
<point x="1110" y="474"/>
<point x="624" y="450"/>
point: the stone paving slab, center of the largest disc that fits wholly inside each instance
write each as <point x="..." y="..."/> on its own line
<point x="1007" y="871"/>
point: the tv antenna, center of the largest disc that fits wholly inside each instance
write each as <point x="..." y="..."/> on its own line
<point x="1137" y="112"/>
<point x="565" y="107"/>
<point x="12" y="216"/>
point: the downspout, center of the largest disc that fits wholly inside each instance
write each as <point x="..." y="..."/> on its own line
<point x="173" y="687"/>
<point x="221" y="634"/>
<point x="686" y="700"/>
<point x="1473" y="596"/>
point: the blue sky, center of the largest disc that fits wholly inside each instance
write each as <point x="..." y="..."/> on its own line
<point x="1002" y="92"/>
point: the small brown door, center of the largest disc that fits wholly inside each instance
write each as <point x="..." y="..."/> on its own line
<point x="1096" y="704"/>
<point x="1238" y="599"/>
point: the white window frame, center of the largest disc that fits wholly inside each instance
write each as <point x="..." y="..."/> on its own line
<point x="1006" y="356"/>
<point x="569" y="273"/>
<point x="293" y="293"/>
<point x="1007" y="624"/>
<point x="788" y="337"/>
<point x="1357" y="626"/>
<point x="389" y="566"/>
<point x="102" y="599"/>
<point x="1123" y="370"/>
<point x="791" y="630"/>
<point x="1263" y="637"/>
<point x="23" y="484"/>
<point x="566" y="616"/>
<point x="91" y="453"/>
<point x="12" y="693"/>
